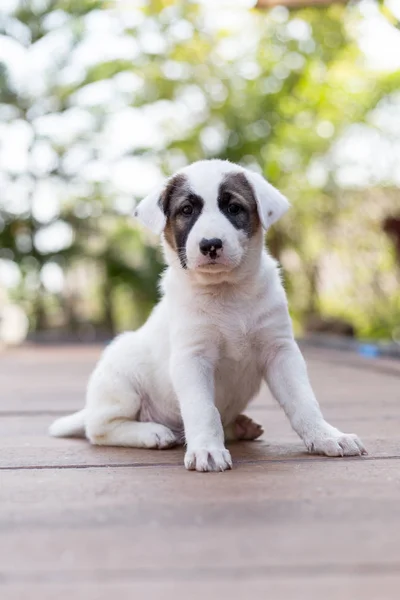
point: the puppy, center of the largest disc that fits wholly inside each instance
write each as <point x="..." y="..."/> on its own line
<point x="221" y="328"/>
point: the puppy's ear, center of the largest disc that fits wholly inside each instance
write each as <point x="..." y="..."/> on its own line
<point x="271" y="204"/>
<point x="150" y="211"/>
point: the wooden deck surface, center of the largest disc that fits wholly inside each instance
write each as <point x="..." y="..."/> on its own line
<point x="94" y="523"/>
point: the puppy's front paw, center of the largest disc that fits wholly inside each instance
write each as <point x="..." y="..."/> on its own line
<point x="208" y="459"/>
<point x="330" y="441"/>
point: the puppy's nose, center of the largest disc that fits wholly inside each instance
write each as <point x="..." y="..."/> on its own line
<point x="210" y="247"/>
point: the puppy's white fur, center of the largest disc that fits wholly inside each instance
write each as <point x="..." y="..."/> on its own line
<point x="221" y="328"/>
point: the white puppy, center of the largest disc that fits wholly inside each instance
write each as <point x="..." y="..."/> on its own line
<point x="221" y="328"/>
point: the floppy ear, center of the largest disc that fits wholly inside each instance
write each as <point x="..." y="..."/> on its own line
<point x="150" y="211"/>
<point x="271" y="204"/>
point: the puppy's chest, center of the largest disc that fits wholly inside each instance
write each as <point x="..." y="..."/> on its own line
<point x="234" y="324"/>
<point x="237" y="338"/>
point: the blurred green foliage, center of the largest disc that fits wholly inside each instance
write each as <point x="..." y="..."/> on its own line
<point x="275" y="95"/>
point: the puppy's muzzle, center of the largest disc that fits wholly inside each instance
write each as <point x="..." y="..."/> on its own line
<point x="211" y="247"/>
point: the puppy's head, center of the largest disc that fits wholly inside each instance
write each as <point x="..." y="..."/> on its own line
<point x="209" y="212"/>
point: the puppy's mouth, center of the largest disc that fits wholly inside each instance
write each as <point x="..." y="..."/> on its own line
<point x="214" y="265"/>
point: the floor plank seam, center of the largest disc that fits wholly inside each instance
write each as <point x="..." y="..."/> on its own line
<point x="201" y="574"/>
<point x="239" y="462"/>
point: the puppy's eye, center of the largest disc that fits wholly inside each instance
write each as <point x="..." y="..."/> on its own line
<point x="234" y="209"/>
<point x="187" y="209"/>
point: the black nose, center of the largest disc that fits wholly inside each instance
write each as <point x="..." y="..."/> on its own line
<point x="210" y="246"/>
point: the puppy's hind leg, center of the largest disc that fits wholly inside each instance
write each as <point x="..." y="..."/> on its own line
<point x="242" y="428"/>
<point x="113" y="406"/>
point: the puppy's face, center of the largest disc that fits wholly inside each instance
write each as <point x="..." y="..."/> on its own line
<point x="209" y="222"/>
<point x="209" y="212"/>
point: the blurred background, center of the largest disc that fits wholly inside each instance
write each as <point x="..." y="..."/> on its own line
<point x="100" y="100"/>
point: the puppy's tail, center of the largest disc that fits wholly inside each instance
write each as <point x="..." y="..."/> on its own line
<point x="70" y="426"/>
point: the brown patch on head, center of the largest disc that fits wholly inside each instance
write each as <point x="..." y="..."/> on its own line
<point x="176" y="189"/>
<point x="182" y="209"/>
<point x="237" y="201"/>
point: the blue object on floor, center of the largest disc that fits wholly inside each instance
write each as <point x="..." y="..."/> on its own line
<point x="368" y="350"/>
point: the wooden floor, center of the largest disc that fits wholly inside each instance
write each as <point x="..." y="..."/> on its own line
<point x="93" y="523"/>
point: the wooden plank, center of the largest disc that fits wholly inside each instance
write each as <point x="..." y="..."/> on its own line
<point x="45" y="378"/>
<point x="58" y="376"/>
<point x="364" y="401"/>
<point x="25" y="442"/>
<point x="339" y="517"/>
<point x="331" y="587"/>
